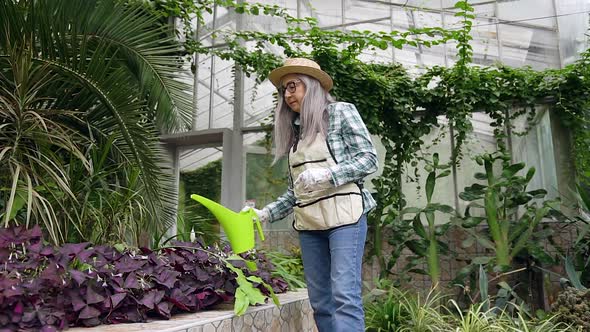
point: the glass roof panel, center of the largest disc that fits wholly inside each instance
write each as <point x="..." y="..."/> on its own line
<point x="537" y="33"/>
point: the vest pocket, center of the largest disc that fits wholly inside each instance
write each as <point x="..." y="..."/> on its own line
<point x="329" y="212"/>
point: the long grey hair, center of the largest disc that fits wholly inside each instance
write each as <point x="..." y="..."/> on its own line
<point x="313" y="117"/>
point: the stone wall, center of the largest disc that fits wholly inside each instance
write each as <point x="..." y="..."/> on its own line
<point x="294" y="314"/>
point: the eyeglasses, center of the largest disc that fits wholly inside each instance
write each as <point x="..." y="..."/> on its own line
<point x="291" y="86"/>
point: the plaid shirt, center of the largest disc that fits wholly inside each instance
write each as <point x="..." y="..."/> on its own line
<point x="353" y="150"/>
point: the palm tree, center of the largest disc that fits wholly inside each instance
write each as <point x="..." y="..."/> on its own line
<point x="85" y="88"/>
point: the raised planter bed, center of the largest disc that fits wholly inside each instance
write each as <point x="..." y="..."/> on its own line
<point x="294" y="314"/>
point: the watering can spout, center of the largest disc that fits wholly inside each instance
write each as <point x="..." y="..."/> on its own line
<point x="238" y="227"/>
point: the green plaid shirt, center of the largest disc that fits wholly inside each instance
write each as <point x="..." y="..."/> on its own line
<point x="352" y="148"/>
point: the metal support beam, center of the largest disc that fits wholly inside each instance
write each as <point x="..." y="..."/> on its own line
<point x="559" y="48"/>
<point x="173" y="156"/>
<point x="498" y="35"/>
<point x="233" y="183"/>
<point x="444" y="45"/>
<point x="226" y="170"/>
<point x="212" y="76"/>
<point x="196" y="61"/>
<point x="391" y="28"/>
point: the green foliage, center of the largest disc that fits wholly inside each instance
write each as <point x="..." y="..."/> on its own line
<point x="390" y="309"/>
<point x="426" y="245"/>
<point x="510" y="211"/>
<point x="246" y="293"/>
<point x="479" y="319"/>
<point x="582" y="244"/>
<point x="577" y="263"/>
<point x="84" y="88"/>
<point x="288" y="267"/>
<point x="204" y="181"/>
<point x="573" y="308"/>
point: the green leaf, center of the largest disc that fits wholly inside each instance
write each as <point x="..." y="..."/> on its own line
<point x="417" y="247"/>
<point x="120" y="247"/>
<point x="418" y="271"/>
<point x="468" y="242"/>
<point x="469" y="196"/>
<point x="17" y="205"/>
<point x="511" y="170"/>
<point x="529" y="174"/>
<point x="572" y="274"/>
<point x="463" y="5"/>
<point x="481" y="260"/>
<point x="419" y="228"/>
<point x="444" y="174"/>
<point x="241" y="303"/>
<point x="411" y="210"/>
<point x="435" y="159"/>
<point x="483" y="286"/>
<point x="234" y="257"/>
<point x="252" y="295"/>
<point x="442" y="229"/>
<point x="539" y="253"/>
<point x="470" y="222"/>
<point x="439" y="207"/>
<point x="481" y="176"/>
<point x="430" y="182"/>
<point x="259" y="280"/>
<point x="539" y="193"/>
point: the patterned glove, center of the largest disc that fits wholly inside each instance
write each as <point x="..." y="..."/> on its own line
<point x="263" y="215"/>
<point x="314" y="179"/>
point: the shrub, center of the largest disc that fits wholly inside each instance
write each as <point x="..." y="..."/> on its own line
<point x="47" y="287"/>
<point x="390" y="309"/>
<point x="573" y="307"/>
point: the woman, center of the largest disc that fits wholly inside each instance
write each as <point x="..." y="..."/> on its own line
<point x="329" y="152"/>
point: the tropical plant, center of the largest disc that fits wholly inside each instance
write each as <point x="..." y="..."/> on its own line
<point x="428" y="246"/>
<point x="509" y="210"/>
<point x="383" y="308"/>
<point x="479" y="319"/>
<point x="84" y="88"/>
<point x="389" y="309"/>
<point x="578" y="265"/>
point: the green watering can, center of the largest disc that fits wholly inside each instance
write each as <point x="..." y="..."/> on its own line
<point x="237" y="226"/>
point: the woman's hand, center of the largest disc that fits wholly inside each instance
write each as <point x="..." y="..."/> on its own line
<point x="314" y="179"/>
<point x="263" y="215"/>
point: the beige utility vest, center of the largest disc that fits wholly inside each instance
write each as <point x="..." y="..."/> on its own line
<point x="330" y="206"/>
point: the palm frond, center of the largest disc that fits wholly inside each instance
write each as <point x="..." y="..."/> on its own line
<point x="79" y="74"/>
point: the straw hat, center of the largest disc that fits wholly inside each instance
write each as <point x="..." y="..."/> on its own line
<point x="301" y="66"/>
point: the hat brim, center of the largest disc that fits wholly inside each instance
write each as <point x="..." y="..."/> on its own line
<point x="325" y="80"/>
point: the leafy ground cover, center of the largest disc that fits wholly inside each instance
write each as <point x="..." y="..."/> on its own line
<point x="50" y="288"/>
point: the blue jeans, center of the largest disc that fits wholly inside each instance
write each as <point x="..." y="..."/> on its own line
<point x="332" y="262"/>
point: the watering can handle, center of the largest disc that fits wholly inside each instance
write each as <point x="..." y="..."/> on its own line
<point x="259" y="228"/>
<point x="257" y="223"/>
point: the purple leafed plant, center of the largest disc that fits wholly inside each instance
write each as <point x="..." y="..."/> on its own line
<point x="50" y="288"/>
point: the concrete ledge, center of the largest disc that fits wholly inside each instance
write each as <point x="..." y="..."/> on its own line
<point x="294" y="314"/>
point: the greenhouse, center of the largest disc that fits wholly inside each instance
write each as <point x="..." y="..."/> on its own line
<point x="145" y="180"/>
